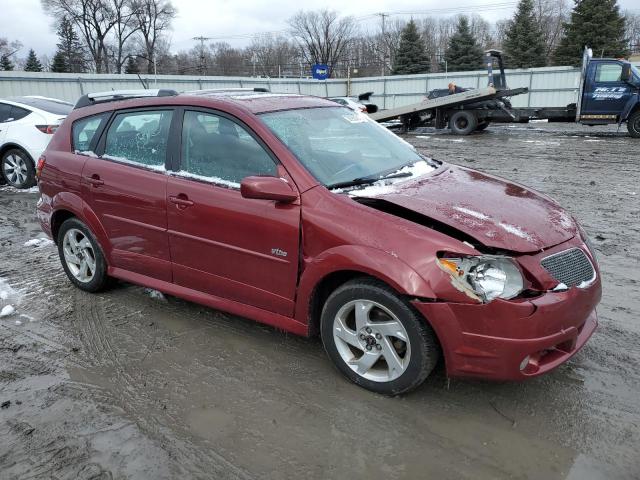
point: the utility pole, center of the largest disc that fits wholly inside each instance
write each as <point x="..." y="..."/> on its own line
<point x="383" y="16"/>
<point x="203" y="63"/>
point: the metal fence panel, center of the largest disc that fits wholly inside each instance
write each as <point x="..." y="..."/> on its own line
<point x="549" y="86"/>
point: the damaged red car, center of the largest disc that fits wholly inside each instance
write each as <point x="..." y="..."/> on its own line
<point x="314" y="219"/>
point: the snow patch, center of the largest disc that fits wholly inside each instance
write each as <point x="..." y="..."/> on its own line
<point x="155" y="294"/>
<point x="88" y="153"/>
<point x="472" y="213"/>
<point x="388" y="185"/>
<point x="157" y="168"/>
<point x="561" y="287"/>
<point x="38" y="242"/>
<point x="9" y="188"/>
<point x="515" y="230"/>
<point x="216" y="180"/>
<point x="8" y="298"/>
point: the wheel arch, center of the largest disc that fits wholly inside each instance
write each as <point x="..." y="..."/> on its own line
<point x="67" y="205"/>
<point x="11" y="146"/>
<point x="339" y="265"/>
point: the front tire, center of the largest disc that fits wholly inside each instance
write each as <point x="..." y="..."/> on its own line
<point x="376" y="339"/>
<point x="17" y="168"/>
<point x="81" y="256"/>
<point x="463" y="122"/>
<point x="633" y="124"/>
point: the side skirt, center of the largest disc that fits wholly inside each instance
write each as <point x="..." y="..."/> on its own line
<point x="259" y="315"/>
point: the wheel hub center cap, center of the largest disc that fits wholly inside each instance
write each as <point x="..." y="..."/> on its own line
<point x="370" y="341"/>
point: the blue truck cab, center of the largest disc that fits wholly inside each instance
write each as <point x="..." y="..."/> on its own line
<point x="609" y="93"/>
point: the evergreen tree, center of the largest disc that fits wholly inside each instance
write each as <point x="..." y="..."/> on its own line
<point x="463" y="52"/>
<point x="33" y="64"/>
<point x="59" y="63"/>
<point x="596" y="24"/>
<point x="131" y="66"/>
<point x="5" y="63"/>
<point x="523" y="43"/>
<point x="411" y="55"/>
<point x="70" y="48"/>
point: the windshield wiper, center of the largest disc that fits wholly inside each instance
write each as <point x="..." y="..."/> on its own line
<point x="366" y="180"/>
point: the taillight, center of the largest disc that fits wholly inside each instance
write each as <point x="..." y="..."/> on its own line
<point x="41" y="161"/>
<point x="48" y="129"/>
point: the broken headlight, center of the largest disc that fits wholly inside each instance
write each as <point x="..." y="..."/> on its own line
<point x="484" y="277"/>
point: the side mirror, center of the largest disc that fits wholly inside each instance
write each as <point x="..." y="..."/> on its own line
<point x="371" y="108"/>
<point x="267" y="188"/>
<point x="626" y="72"/>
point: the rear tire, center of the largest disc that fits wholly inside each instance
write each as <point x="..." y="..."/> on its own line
<point x="387" y="348"/>
<point x="17" y="168"/>
<point x="81" y="256"/>
<point x="633" y="124"/>
<point x="463" y="122"/>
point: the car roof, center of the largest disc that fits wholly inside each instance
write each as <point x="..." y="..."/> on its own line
<point x="247" y="100"/>
<point x="263" y="102"/>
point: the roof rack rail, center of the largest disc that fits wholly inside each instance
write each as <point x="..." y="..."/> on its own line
<point x="115" y="95"/>
<point x="211" y="91"/>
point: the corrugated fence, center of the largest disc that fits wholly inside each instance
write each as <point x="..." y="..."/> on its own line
<point x="548" y="87"/>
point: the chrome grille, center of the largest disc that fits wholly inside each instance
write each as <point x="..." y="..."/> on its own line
<point x="571" y="267"/>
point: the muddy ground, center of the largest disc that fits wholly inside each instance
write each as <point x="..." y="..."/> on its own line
<point x="125" y="385"/>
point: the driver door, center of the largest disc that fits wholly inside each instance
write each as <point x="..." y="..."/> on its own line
<point x="606" y="94"/>
<point x="221" y="243"/>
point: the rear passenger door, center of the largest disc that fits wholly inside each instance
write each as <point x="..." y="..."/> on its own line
<point x="222" y="243"/>
<point x="125" y="185"/>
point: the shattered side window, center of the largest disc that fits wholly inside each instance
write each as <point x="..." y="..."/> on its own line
<point x="139" y="137"/>
<point x="84" y="130"/>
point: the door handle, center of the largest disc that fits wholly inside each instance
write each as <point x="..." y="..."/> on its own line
<point x="94" y="180"/>
<point x="181" y="201"/>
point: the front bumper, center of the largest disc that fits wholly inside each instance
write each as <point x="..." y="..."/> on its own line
<point x="494" y="340"/>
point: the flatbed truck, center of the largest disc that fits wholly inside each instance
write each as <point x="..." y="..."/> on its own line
<point x="609" y="93"/>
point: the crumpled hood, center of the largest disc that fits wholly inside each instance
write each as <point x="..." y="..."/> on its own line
<point x="495" y="212"/>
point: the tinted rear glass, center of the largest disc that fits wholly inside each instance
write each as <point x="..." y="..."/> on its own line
<point x="84" y="131"/>
<point x="56" y="107"/>
<point x="17" y="113"/>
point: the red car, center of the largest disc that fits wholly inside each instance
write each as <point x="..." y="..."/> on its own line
<point x="310" y="217"/>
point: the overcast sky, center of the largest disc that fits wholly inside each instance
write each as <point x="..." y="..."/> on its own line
<point x="26" y="21"/>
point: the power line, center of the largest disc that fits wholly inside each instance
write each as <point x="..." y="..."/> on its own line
<point x="203" y="58"/>
<point x="434" y="11"/>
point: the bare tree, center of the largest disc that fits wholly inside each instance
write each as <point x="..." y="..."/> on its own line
<point x="126" y="25"/>
<point x="8" y="48"/>
<point x="632" y="25"/>
<point x="154" y="18"/>
<point x="551" y="14"/>
<point x="94" y="18"/>
<point x="481" y="30"/>
<point x="322" y="36"/>
<point x="272" y="55"/>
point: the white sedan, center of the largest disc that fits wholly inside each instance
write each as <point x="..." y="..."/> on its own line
<point x="26" y="126"/>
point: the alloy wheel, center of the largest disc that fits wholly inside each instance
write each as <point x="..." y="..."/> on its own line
<point x="371" y="340"/>
<point x="79" y="255"/>
<point x="15" y="169"/>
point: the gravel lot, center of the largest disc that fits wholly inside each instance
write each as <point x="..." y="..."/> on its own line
<point x="127" y="385"/>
